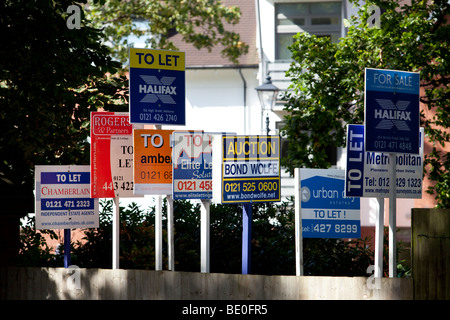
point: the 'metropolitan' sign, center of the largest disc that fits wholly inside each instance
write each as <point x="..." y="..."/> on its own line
<point x="367" y="173"/>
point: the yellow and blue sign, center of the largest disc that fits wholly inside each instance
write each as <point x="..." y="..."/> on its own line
<point x="157" y="87"/>
<point x="251" y="169"/>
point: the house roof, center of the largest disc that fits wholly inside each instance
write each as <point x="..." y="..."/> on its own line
<point x="246" y="28"/>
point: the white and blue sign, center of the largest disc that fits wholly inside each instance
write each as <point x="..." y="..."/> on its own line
<point x="192" y="165"/>
<point x="157" y="87"/>
<point x="326" y="212"/>
<point x="392" y="116"/>
<point x="367" y="173"/>
<point x="63" y="198"/>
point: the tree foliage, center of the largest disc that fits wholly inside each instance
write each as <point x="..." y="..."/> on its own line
<point x="51" y="78"/>
<point x="328" y="81"/>
<point x="203" y="23"/>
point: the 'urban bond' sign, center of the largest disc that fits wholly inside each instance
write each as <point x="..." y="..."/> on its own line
<point x="326" y="211"/>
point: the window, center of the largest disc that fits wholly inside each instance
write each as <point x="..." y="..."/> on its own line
<point x="318" y="18"/>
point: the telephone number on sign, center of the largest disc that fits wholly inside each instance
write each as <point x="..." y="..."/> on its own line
<point x="393" y="145"/>
<point x="250" y="186"/>
<point x="193" y="185"/>
<point x="155" y="175"/>
<point x="337" y="228"/>
<point x="124" y="186"/>
<point x="158" y="117"/>
<point x="63" y="204"/>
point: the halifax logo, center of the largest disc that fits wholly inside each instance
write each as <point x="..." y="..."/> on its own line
<point x="157" y="89"/>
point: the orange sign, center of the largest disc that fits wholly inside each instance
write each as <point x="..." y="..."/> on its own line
<point x="152" y="161"/>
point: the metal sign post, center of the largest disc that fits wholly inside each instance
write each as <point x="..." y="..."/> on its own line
<point x="205" y="236"/>
<point x="67" y="259"/>
<point x="392" y="218"/>
<point x="246" y="169"/>
<point x="298" y="225"/>
<point x="379" y="238"/>
<point x="392" y="120"/>
<point x="116" y="233"/>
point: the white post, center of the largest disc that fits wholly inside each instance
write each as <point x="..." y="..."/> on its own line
<point x="115" y="233"/>
<point x="158" y="233"/>
<point x="392" y="217"/>
<point x="204" y="236"/>
<point x="170" y="241"/>
<point x="379" y="233"/>
<point x="298" y="224"/>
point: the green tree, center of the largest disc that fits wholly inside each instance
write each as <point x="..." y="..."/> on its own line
<point x="51" y="77"/>
<point x="202" y="23"/>
<point x="50" y="80"/>
<point x="328" y="82"/>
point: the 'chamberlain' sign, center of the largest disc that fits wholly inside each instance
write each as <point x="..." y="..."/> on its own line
<point x="392" y="111"/>
<point x="63" y="198"/>
<point x="157" y="87"/>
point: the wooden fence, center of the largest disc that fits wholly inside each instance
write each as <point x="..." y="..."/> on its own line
<point x="431" y="253"/>
<point x="59" y="283"/>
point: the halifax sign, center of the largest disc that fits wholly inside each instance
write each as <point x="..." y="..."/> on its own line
<point x="392" y="115"/>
